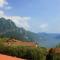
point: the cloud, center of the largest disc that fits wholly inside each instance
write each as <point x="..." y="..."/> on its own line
<point x="1" y="13"/>
<point x="44" y="27"/>
<point x="3" y="3"/>
<point x="18" y="20"/>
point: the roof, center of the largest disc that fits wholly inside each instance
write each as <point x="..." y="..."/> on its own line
<point x="57" y="50"/>
<point x="20" y="43"/>
<point x="54" y="50"/>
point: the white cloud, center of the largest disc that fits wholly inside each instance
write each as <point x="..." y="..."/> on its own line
<point x="44" y="27"/>
<point x="18" y="20"/>
<point x="1" y="13"/>
<point x="3" y="3"/>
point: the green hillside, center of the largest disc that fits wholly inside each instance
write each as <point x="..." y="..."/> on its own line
<point x="9" y="29"/>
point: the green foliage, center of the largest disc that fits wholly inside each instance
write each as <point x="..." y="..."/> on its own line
<point x="52" y="55"/>
<point x="10" y="30"/>
<point x="24" y="52"/>
<point x="56" y="57"/>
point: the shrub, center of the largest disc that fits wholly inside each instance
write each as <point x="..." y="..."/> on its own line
<point x="24" y="52"/>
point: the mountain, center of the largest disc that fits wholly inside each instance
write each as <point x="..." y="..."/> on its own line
<point x="10" y="30"/>
<point x="49" y="39"/>
<point x="6" y="25"/>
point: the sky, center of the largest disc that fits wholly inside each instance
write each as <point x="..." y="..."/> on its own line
<point x="33" y="15"/>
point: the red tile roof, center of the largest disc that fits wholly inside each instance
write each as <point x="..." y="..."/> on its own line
<point x="5" y="57"/>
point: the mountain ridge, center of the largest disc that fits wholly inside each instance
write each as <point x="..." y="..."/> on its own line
<point x="10" y="30"/>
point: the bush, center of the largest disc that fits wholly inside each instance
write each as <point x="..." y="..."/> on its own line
<point x="56" y="56"/>
<point x="24" y="52"/>
<point x="52" y="55"/>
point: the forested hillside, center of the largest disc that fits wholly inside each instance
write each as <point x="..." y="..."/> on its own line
<point x="10" y="30"/>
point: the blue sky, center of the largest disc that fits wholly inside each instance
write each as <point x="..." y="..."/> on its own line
<point x="44" y="14"/>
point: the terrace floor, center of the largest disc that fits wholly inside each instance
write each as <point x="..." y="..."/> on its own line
<point x="5" y="57"/>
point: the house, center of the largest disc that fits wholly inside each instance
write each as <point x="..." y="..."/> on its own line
<point x="54" y="50"/>
<point x="20" y="43"/>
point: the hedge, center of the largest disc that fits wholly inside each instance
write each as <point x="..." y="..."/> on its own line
<point x="24" y="52"/>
